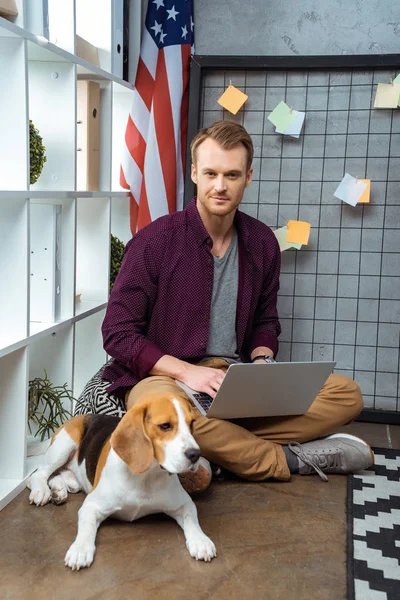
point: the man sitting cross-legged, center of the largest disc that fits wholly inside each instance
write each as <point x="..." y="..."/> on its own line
<point x="197" y="290"/>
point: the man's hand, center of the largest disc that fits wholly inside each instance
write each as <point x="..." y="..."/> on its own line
<point x="202" y="379"/>
<point x="261" y="351"/>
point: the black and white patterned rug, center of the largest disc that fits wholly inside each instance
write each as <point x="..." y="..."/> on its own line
<point x="373" y="530"/>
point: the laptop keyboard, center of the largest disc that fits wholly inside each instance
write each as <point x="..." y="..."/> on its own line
<point x="203" y="399"/>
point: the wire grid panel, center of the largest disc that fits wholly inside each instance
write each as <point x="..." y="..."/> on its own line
<point x="339" y="296"/>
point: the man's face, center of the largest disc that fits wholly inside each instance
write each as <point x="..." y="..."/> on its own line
<point x="221" y="177"/>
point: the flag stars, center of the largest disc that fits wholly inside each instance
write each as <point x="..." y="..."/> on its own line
<point x="172" y="13"/>
<point x="168" y="26"/>
<point x="157" y="27"/>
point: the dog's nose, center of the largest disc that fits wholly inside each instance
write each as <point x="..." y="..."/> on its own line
<point x="192" y="454"/>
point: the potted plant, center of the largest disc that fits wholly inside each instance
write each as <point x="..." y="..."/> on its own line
<point x="37" y="153"/>
<point x="117" y="254"/>
<point x="46" y="410"/>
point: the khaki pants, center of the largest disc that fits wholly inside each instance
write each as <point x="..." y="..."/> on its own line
<point x="251" y="448"/>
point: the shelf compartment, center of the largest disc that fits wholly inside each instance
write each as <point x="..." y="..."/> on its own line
<point x="93" y="135"/>
<point x="14" y="270"/>
<point x="13" y="414"/>
<point x="53" y="20"/>
<point x="93" y="249"/>
<point x="105" y="135"/>
<point x="53" y="353"/>
<point x="96" y="31"/>
<point x="61" y="24"/>
<point x="45" y="262"/>
<point x="13" y="108"/>
<point x="121" y="107"/>
<point x="52" y="88"/>
<point x="59" y="220"/>
<point x="89" y="354"/>
<point x="120" y="221"/>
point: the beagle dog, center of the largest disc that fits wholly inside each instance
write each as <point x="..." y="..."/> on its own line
<point x="128" y="468"/>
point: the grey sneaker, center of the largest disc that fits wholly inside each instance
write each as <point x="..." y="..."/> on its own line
<point x="337" y="453"/>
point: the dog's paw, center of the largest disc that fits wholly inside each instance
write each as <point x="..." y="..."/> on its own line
<point x="40" y="494"/>
<point x="79" y="556"/>
<point x="59" y="496"/>
<point x="71" y="482"/>
<point x="201" y="547"/>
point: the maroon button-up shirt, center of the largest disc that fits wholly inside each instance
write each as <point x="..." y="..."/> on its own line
<point x="161" y="300"/>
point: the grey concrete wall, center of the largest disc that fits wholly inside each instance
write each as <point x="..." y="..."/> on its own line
<point x="339" y="296"/>
<point x="285" y="27"/>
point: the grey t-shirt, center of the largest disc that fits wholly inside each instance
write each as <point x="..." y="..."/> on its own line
<point x="222" y="333"/>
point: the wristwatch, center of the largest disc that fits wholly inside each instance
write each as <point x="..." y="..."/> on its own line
<point x="265" y="357"/>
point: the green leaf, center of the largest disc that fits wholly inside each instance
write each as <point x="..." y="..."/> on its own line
<point x="45" y="407"/>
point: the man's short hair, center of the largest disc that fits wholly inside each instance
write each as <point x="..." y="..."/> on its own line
<point x="227" y="134"/>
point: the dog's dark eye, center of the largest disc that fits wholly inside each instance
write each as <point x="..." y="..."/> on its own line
<point x="165" y="426"/>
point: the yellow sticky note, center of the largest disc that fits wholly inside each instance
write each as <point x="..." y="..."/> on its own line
<point x="387" y="95"/>
<point x="366" y="193"/>
<point x="298" y="232"/>
<point x="232" y="99"/>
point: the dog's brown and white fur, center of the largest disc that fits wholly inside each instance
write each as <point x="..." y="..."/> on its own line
<point x="129" y="468"/>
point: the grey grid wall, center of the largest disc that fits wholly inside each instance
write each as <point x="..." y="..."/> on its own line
<point x="340" y="295"/>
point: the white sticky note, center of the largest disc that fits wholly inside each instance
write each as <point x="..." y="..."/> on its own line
<point x="280" y="235"/>
<point x="296" y="126"/>
<point x="387" y="95"/>
<point x="350" y="190"/>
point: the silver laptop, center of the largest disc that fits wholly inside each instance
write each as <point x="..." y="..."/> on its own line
<point x="264" y="390"/>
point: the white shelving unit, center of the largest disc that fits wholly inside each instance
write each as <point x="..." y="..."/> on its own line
<point x="38" y="81"/>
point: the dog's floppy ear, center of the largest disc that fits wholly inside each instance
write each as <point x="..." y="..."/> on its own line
<point x="130" y="441"/>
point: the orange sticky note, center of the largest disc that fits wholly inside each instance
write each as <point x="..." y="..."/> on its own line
<point x="298" y="232"/>
<point x="232" y="99"/>
<point x="366" y="193"/>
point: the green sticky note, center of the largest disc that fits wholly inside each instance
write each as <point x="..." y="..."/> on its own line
<point x="280" y="235"/>
<point x="281" y="116"/>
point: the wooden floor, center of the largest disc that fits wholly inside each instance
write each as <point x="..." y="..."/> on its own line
<point x="275" y="541"/>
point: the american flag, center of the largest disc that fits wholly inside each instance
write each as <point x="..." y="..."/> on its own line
<point x="152" y="165"/>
